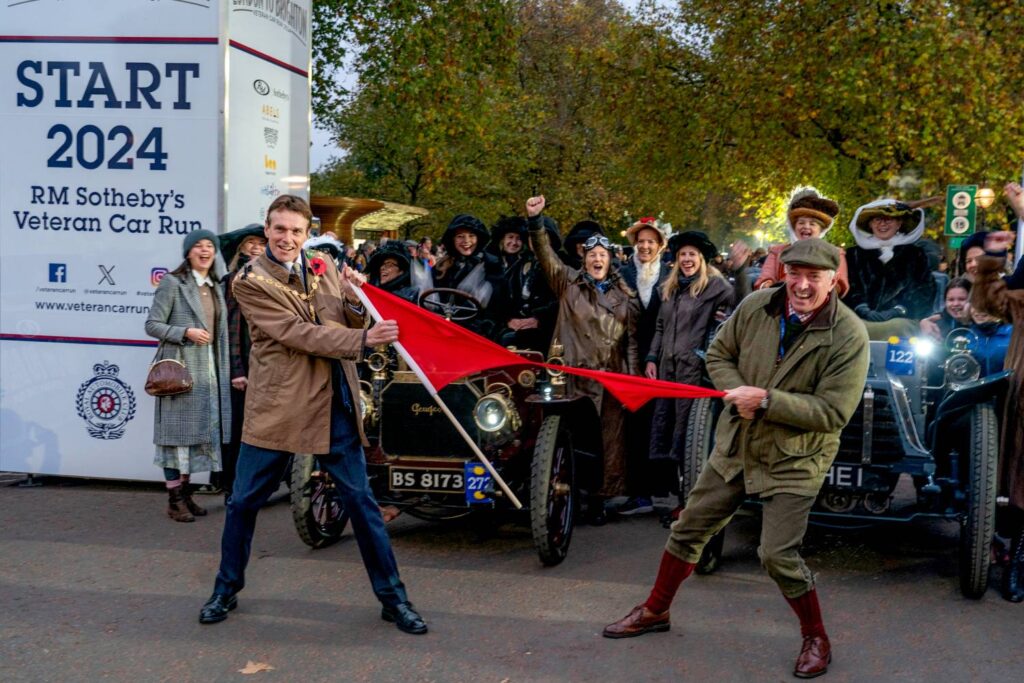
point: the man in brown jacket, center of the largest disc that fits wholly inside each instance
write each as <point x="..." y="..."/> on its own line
<point x="792" y="361"/>
<point x="307" y="330"/>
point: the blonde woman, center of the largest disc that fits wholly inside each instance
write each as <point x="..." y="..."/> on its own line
<point x="691" y="295"/>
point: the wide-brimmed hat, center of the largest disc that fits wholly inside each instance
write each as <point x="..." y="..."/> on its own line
<point x="693" y="238"/>
<point x="507" y="224"/>
<point x="814" y="252"/>
<point x="231" y="241"/>
<point x="579" y="234"/>
<point x="648" y="223"/>
<point x="808" y="201"/>
<point x="326" y="244"/>
<point x="890" y="208"/>
<point x="465" y="221"/>
<point x="390" y="250"/>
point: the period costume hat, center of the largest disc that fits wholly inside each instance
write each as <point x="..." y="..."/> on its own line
<point x="231" y="241"/>
<point x="808" y="201"/>
<point x="648" y="223"/>
<point x="693" y="238"/>
<point x="579" y="234"/>
<point x="465" y="221"/>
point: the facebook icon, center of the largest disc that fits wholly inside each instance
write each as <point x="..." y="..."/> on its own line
<point x="58" y="272"/>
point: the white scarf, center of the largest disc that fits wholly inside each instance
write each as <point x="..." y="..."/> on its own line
<point x="867" y="240"/>
<point x="646" y="277"/>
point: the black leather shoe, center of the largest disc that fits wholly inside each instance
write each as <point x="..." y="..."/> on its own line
<point x="405" y="617"/>
<point x="217" y="608"/>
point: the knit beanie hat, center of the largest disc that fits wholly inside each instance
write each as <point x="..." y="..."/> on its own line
<point x="195" y="236"/>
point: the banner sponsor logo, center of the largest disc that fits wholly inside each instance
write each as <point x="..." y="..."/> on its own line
<point x="261" y="87"/>
<point x="156" y="275"/>
<point x="107" y="276"/>
<point x="105" y="402"/>
<point x="270" y="136"/>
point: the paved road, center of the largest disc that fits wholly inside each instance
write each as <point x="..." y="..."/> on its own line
<point x="97" y="584"/>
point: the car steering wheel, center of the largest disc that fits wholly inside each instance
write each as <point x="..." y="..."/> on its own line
<point x="451" y="304"/>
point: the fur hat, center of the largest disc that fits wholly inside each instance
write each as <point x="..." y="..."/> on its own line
<point x="650" y="224"/>
<point x="693" y="238"/>
<point x="465" y="221"/>
<point x="807" y="201"/>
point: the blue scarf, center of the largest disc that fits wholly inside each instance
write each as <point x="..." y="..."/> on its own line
<point x="603" y="286"/>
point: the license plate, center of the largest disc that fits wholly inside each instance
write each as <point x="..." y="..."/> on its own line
<point x="427" y="480"/>
<point x="479" y="484"/>
<point x="843" y="476"/>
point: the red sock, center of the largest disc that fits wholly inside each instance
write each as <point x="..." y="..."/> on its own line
<point x="671" y="573"/>
<point x="809" y="612"/>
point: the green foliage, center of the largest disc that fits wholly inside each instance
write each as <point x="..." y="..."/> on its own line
<point x="709" y="112"/>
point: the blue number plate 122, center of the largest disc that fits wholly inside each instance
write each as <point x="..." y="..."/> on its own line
<point x="899" y="356"/>
<point x="478" y="484"/>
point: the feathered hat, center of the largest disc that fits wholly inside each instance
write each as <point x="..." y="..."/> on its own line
<point x="808" y="201"/>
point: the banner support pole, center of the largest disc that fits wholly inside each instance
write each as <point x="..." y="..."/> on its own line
<point x="375" y="314"/>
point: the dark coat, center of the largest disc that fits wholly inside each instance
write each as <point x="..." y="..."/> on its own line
<point x="876" y="288"/>
<point x="681" y="329"/>
<point x="184" y="419"/>
<point x="594" y="329"/>
<point x="991" y="293"/>
<point x="521" y="291"/>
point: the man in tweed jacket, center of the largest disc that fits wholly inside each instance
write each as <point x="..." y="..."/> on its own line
<point x="307" y="331"/>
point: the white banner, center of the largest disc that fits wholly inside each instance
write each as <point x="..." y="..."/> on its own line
<point x="268" y="115"/>
<point x="109" y="127"/>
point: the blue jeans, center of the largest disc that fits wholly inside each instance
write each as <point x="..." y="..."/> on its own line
<point x="257" y="478"/>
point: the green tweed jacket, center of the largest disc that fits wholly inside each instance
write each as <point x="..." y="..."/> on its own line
<point x="814" y="390"/>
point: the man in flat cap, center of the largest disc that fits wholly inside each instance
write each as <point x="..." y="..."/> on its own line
<point x="792" y="361"/>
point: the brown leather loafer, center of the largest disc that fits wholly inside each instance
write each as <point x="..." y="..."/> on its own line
<point x="639" y="621"/>
<point x="814" y="658"/>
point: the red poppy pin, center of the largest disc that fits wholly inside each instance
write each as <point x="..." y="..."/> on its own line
<point x="318" y="266"/>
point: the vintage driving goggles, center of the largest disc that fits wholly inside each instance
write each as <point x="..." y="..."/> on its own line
<point x="597" y="240"/>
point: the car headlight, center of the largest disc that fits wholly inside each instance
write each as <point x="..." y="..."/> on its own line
<point x="922" y="347"/>
<point x="962" y="368"/>
<point x="491" y="413"/>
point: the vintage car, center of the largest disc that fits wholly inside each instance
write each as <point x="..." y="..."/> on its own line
<point x="944" y="436"/>
<point x="542" y="438"/>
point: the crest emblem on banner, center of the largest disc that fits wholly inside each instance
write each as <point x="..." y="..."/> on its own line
<point x="105" y="402"/>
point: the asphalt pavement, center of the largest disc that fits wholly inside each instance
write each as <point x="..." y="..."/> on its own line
<point x="97" y="584"/>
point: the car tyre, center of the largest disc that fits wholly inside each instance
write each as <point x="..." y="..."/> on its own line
<point x="978" y="525"/>
<point x="319" y="515"/>
<point x="552" y="491"/>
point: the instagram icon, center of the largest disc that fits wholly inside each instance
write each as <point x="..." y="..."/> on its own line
<point x="156" y="275"/>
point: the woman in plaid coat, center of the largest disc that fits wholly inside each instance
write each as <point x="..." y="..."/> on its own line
<point x="189" y="315"/>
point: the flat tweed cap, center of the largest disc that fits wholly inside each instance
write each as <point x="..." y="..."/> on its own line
<point x="813" y="252"/>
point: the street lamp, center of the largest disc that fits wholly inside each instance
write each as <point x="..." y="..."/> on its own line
<point x="983" y="197"/>
<point x="759" y="234"/>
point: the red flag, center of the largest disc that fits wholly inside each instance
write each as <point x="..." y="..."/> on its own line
<point x="444" y="351"/>
<point x="447" y="352"/>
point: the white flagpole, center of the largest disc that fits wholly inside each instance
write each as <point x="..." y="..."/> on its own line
<point x="411" y="362"/>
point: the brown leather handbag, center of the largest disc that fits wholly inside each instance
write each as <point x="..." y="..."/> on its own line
<point x="167" y="376"/>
